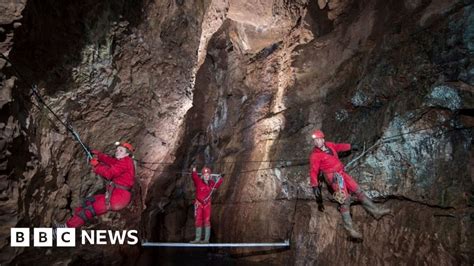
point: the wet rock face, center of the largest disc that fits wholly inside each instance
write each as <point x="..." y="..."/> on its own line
<point x="91" y="62"/>
<point x="13" y="141"/>
<point x="239" y="86"/>
<point x="365" y="73"/>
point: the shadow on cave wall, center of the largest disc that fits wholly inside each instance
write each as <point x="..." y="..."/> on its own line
<point x="168" y="200"/>
<point x="46" y="47"/>
<point x="53" y="34"/>
<point x="204" y="143"/>
<point x="394" y="79"/>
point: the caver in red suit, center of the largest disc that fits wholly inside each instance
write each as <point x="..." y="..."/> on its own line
<point x="328" y="162"/>
<point x="205" y="185"/>
<point x="324" y="158"/>
<point x="120" y="173"/>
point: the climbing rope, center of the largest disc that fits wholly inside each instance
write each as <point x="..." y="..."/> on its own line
<point x="396" y="137"/>
<point x="170" y="171"/>
<point x="39" y="98"/>
<point x="301" y="161"/>
<point x="229" y="162"/>
<point x="143" y="164"/>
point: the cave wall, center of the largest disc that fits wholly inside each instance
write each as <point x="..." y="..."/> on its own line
<point x="114" y="70"/>
<point x="239" y="86"/>
<point x="391" y="74"/>
<point x="12" y="138"/>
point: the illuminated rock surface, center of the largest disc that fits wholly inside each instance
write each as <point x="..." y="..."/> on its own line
<point x="239" y="85"/>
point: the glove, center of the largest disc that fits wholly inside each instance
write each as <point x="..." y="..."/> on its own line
<point x="319" y="198"/>
<point x="95" y="152"/>
<point x="94" y="162"/>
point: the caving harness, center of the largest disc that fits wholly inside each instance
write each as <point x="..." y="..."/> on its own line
<point x="88" y="201"/>
<point x="111" y="186"/>
<point x="217" y="177"/>
<point x="87" y="206"/>
<point x="339" y="195"/>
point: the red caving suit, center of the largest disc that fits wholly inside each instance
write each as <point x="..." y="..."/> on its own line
<point x="202" y="204"/>
<point x="120" y="172"/>
<point x="330" y="164"/>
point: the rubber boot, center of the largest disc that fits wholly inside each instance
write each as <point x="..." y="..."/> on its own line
<point x="197" y="240"/>
<point x="346" y="218"/>
<point x="207" y="235"/>
<point x="55" y="228"/>
<point x="374" y="210"/>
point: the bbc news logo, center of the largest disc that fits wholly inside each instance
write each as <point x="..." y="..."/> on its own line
<point x="66" y="237"/>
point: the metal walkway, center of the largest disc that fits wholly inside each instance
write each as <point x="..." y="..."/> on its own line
<point x="217" y="245"/>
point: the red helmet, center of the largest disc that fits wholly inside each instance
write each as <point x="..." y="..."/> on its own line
<point x="317" y="134"/>
<point x="126" y="145"/>
<point x="206" y="170"/>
